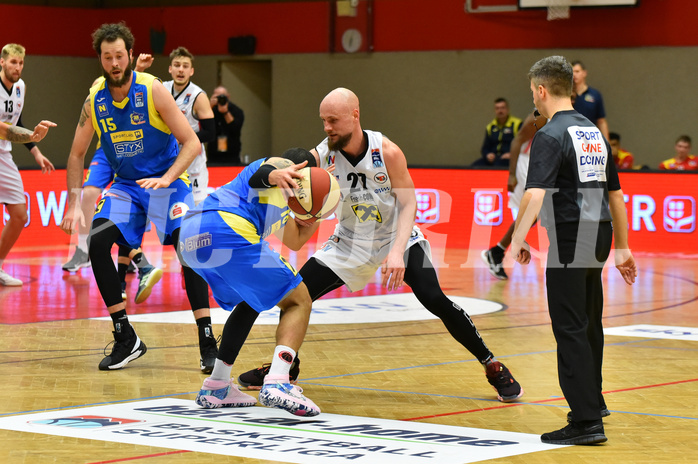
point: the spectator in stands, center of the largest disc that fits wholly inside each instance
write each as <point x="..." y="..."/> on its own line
<point x="225" y="149"/>
<point x="623" y="159"/>
<point x="498" y="136"/>
<point x="683" y="160"/>
<point x="589" y="101"/>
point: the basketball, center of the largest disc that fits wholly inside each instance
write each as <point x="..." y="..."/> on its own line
<point x="316" y="197"/>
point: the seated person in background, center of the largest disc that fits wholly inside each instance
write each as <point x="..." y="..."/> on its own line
<point x="622" y="158"/>
<point x="498" y="136"/>
<point x="682" y="161"/>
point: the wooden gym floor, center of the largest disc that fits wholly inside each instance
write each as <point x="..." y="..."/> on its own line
<point x="409" y="371"/>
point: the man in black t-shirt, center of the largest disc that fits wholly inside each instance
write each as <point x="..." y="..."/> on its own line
<point x="229" y="118"/>
<point x="573" y="184"/>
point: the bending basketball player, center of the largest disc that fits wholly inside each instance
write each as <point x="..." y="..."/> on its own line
<point x="223" y="240"/>
<point x="385" y="234"/>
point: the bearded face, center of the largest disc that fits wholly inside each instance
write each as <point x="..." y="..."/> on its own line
<point x="339" y="142"/>
<point x="115" y="60"/>
<point x="117" y="81"/>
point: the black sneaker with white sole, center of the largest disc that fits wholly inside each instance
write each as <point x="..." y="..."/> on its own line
<point x="494" y="258"/>
<point x="127" y="347"/>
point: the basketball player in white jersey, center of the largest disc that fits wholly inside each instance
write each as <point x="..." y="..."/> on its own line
<point x="11" y="187"/>
<point x="193" y="102"/>
<point x="516" y="184"/>
<point x="376" y="228"/>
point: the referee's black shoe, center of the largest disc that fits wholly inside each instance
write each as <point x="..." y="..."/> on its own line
<point x="577" y="433"/>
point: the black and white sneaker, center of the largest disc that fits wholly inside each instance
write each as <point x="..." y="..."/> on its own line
<point x="127" y="347"/>
<point x="494" y="258"/>
<point x="79" y="260"/>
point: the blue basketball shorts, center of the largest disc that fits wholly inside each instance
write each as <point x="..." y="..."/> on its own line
<point x="237" y="265"/>
<point x="99" y="174"/>
<point x="132" y="208"/>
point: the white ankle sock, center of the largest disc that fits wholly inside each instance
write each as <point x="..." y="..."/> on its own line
<point x="82" y="242"/>
<point x="282" y="360"/>
<point x="221" y="371"/>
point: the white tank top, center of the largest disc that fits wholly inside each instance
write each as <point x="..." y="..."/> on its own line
<point x="11" y="104"/>
<point x="185" y="101"/>
<point x="368" y="207"/>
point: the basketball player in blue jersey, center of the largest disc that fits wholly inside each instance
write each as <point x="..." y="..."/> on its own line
<point x="376" y="230"/>
<point x="98" y="177"/>
<point x="223" y="240"/>
<point x="139" y="126"/>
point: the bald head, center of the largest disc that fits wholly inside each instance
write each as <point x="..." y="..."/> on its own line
<point x="339" y="111"/>
<point x="340" y="100"/>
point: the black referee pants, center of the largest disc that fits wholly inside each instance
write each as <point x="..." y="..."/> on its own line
<point x="575" y="303"/>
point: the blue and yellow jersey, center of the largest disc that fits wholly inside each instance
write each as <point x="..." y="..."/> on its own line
<point x="254" y="214"/>
<point x="135" y="139"/>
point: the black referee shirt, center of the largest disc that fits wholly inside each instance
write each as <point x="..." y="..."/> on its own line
<point x="571" y="160"/>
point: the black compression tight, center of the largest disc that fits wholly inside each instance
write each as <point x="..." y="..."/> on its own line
<point x="320" y="280"/>
<point x="103" y="235"/>
<point x="196" y="286"/>
<point x="421" y="277"/>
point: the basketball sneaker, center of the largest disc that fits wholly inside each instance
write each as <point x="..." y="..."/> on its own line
<point x="277" y="392"/>
<point x="8" y="281"/>
<point x="208" y="349"/>
<point x="127" y="347"/>
<point x="254" y="379"/>
<point x="79" y="260"/>
<point x="221" y="394"/>
<point x="494" y="258"/>
<point x="148" y="276"/>
<point x="503" y="382"/>
<point x="577" y="433"/>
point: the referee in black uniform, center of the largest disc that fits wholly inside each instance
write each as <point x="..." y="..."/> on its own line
<point x="573" y="184"/>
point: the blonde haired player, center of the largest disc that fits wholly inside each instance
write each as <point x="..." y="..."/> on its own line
<point x="11" y="130"/>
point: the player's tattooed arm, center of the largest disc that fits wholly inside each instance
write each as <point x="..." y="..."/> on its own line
<point x="279" y="163"/>
<point x="85" y="113"/>
<point x="18" y="134"/>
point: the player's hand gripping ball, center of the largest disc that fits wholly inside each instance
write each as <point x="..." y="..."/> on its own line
<point x="316" y="197"/>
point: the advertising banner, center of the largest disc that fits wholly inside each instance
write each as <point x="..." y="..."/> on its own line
<point x="456" y="208"/>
